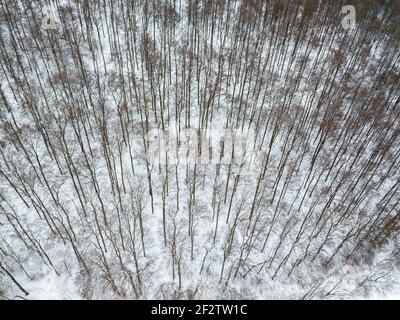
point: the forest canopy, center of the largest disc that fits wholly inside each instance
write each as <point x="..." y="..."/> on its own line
<point x="181" y="149"/>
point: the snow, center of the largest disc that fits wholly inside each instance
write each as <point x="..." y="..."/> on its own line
<point x="79" y="203"/>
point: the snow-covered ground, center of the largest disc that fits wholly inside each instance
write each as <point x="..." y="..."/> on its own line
<point x="86" y="214"/>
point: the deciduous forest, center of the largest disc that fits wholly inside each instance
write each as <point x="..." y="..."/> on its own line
<point x="93" y="206"/>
